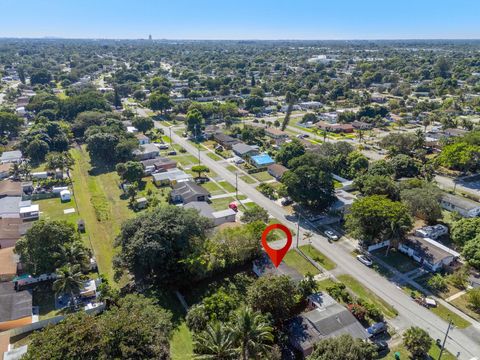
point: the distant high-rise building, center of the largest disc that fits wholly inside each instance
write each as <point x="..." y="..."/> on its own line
<point x="150" y="37"/>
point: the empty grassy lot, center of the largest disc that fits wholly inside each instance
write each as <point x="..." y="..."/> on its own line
<point x="318" y="257"/>
<point x="299" y="263"/>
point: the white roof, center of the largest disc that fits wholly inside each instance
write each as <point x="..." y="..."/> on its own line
<point x="64" y="192"/>
<point x="223" y="213"/>
<point x="28" y="209"/>
<point x="441" y="246"/>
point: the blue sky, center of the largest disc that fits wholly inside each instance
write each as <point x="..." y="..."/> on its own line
<point x="241" y="19"/>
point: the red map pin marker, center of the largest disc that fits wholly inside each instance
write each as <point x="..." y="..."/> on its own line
<point x="276" y="255"/>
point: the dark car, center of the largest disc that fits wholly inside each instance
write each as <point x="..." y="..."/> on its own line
<point x="287" y="201"/>
<point x="382" y="348"/>
<point x="377" y="329"/>
<point x="172" y="153"/>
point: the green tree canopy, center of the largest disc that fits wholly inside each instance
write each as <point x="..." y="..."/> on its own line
<point x="143" y="124"/>
<point x="343" y="347"/>
<point x="39" y="248"/>
<point x="377" y="185"/>
<point x="156" y="245"/>
<point x="136" y="328"/>
<point x="465" y="230"/>
<point x="375" y="218"/>
<point x="289" y="151"/>
<point x="10" y="124"/>
<point x="255" y="213"/>
<point x="131" y="171"/>
<point x="417" y="341"/>
<point x="424" y="202"/>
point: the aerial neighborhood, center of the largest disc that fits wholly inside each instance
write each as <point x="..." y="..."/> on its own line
<point x="137" y="178"/>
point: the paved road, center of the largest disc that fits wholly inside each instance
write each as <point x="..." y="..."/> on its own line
<point x="449" y="184"/>
<point x="466" y="342"/>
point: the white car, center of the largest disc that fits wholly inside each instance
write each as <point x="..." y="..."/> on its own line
<point x="365" y="260"/>
<point x="331" y="235"/>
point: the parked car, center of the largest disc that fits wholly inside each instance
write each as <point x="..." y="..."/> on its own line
<point x="287" y="201"/>
<point x="233" y="206"/>
<point x="331" y="235"/>
<point x="365" y="260"/>
<point x="377" y="329"/>
<point x="173" y="152"/>
<point x="163" y="146"/>
<point x="382" y="348"/>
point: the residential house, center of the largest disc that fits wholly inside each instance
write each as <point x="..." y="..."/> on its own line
<point x="210" y="131"/>
<point x="170" y="177"/>
<point x="307" y="105"/>
<point x="5" y="170"/>
<point x="277" y="170"/>
<point x="13" y="207"/>
<point x="15" y="307"/>
<point x="158" y="164"/>
<point x="243" y="150"/>
<point x="327" y="319"/>
<point x="217" y="217"/>
<point x="330" y="117"/>
<point x="224" y="140"/>
<point x="147" y="151"/>
<point x="11" y="230"/>
<point x="428" y="252"/>
<point x="264" y="267"/>
<point x="361" y="125"/>
<point x="11" y="156"/>
<point x="432" y="232"/>
<point x="262" y="160"/>
<point x="8" y="264"/>
<point x="188" y="191"/>
<point x="465" y="207"/>
<point x="275" y="133"/>
<point x="10" y="188"/>
<point x="335" y="128"/>
<point x="142" y="139"/>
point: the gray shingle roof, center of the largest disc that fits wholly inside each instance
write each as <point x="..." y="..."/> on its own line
<point x="14" y="304"/>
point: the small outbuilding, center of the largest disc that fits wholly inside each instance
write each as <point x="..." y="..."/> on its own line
<point x="65" y="195"/>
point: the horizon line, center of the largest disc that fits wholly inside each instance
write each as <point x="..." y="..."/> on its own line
<point x="239" y="39"/>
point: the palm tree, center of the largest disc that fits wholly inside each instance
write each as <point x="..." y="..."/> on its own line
<point x="360" y="135"/>
<point x="72" y="254"/>
<point x="15" y="171"/>
<point x="26" y="170"/>
<point x="251" y="333"/>
<point x="69" y="280"/>
<point x="215" y="343"/>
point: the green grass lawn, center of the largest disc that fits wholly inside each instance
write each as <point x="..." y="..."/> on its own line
<point x="52" y="209"/>
<point x="299" y="263"/>
<point x="447" y="315"/>
<point x="185" y="159"/>
<point x="222" y="203"/>
<point x="461" y="303"/>
<point x="99" y="204"/>
<point x="212" y="188"/>
<point x="232" y="169"/>
<point x="263" y="176"/>
<point x="248" y="179"/>
<point x="398" y="260"/>
<point x="318" y="257"/>
<point x="324" y="284"/>
<point x="214" y="156"/>
<point x="405" y="354"/>
<point x="181" y="345"/>
<point x="361" y="291"/>
<point x="227" y="186"/>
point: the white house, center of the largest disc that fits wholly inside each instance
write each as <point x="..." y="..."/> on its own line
<point x="465" y="207"/>
<point x="432" y="232"/>
<point x="428" y="252"/>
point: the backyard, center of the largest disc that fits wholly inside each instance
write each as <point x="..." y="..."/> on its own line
<point x="299" y="263"/>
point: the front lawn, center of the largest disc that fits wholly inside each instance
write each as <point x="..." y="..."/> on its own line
<point x="461" y="303"/>
<point x="318" y="257"/>
<point x="405" y="354"/>
<point x="212" y="188"/>
<point x="361" y="291"/>
<point x="323" y="285"/>
<point x="397" y="260"/>
<point x="248" y="179"/>
<point x="447" y="315"/>
<point x="299" y="263"/>
<point x="214" y="156"/>
<point x="222" y="203"/>
<point x="227" y="186"/>
<point x="263" y="176"/>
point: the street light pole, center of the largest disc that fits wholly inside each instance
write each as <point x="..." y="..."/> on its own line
<point x="445" y="339"/>
<point x="298" y="229"/>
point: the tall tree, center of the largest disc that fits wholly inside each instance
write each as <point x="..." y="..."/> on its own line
<point x="252" y="333"/>
<point x="215" y="343"/>
<point x="343" y="347"/>
<point x="417" y="341"/>
<point x="69" y="281"/>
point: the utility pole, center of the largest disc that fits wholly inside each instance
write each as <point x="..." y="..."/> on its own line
<point x="298" y="229"/>
<point x="236" y="185"/>
<point x="445" y="339"/>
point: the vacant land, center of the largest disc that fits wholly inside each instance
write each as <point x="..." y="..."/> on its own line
<point x="397" y="260"/>
<point x="299" y="263"/>
<point x="318" y="257"/>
